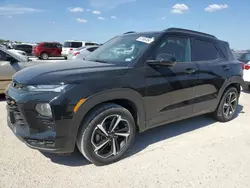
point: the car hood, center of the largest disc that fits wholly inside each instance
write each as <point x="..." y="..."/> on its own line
<point x="66" y="72"/>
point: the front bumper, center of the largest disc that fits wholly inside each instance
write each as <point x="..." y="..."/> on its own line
<point x="37" y="132"/>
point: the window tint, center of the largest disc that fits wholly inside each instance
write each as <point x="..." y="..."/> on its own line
<point x="90" y="44"/>
<point x="227" y="52"/>
<point x="179" y="48"/>
<point x="72" y="44"/>
<point x="204" y="51"/>
<point x="92" y="49"/>
<point x="2" y="56"/>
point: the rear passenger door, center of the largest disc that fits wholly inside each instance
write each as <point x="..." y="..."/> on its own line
<point x="213" y="70"/>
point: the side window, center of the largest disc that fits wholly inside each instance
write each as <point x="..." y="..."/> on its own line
<point x="76" y="44"/>
<point x="92" y="49"/>
<point x="2" y="56"/>
<point x="177" y="47"/>
<point x="204" y="51"/>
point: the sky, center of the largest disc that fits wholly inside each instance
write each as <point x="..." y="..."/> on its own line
<point x="100" y="20"/>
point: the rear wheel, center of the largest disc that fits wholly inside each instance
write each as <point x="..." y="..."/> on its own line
<point x="107" y="134"/>
<point x="65" y="58"/>
<point x="44" y="56"/>
<point x="228" y="105"/>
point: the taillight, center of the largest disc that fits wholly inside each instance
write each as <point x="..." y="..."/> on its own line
<point x="76" y="53"/>
<point x="246" y="67"/>
<point x="70" y="49"/>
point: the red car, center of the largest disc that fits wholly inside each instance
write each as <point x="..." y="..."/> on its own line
<point x="45" y="50"/>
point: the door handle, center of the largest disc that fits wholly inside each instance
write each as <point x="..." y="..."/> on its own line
<point x="190" y="70"/>
<point x="225" y="67"/>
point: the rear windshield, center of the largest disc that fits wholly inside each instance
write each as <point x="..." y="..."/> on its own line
<point x="72" y="44"/>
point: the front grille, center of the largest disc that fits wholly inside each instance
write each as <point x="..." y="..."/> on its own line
<point x="14" y="112"/>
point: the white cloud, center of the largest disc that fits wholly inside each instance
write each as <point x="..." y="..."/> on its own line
<point x="109" y="4"/>
<point x="113" y="17"/>
<point x="179" y="9"/>
<point x="80" y="20"/>
<point x="15" y="9"/>
<point x="215" y="7"/>
<point x="76" y="9"/>
<point x="101" y="18"/>
<point x="96" y="12"/>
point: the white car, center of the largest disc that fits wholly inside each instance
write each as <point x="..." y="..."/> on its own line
<point x="245" y="58"/>
<point x="70" y="45"/>
<point x="81" y="53"/>
<point x="18" y="52"/>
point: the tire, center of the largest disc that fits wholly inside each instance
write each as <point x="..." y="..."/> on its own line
<point x="44" y="56"/>
<point x="222" y="109"/>
<point x="90" y="137"/>
<point x="65" y="58"/>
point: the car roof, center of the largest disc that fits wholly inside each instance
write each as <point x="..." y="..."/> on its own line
<point x="176" y="31"/>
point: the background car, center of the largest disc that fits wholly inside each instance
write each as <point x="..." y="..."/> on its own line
<point x="24" y="47"/>
<point x="18" y="52"/>
<point x="45" y="50"/>
<point x="71" y="45"/>
<point x="11" y="63"/>
<point x="81" y="53"/>
<point x="245" y="58"/>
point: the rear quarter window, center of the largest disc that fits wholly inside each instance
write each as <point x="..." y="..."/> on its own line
<point x="204" y="51"/>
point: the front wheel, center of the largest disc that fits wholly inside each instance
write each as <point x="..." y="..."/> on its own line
<point x="228" y="105"/>
<point x="107" y="134"/>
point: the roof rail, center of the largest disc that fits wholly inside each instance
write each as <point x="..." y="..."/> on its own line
<point x="190" y="31"/>
<point x="129" y="32"/>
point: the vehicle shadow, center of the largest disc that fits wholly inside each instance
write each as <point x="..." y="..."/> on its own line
<point x="145" y="139"/>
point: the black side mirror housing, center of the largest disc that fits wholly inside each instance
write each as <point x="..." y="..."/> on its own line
<point x="163" y="60"/>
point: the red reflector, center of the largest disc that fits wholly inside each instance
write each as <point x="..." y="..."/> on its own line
<point x="76" y="53"/>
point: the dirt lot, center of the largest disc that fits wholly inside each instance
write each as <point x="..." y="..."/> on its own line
<point x="198" y="152"/>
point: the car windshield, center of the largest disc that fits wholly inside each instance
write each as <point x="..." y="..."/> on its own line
<point x="122" y="49"/>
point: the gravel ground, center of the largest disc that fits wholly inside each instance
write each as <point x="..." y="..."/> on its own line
<point x="197" y="152"/>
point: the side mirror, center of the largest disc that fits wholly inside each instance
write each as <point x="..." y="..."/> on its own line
<point x="163" y="60"/>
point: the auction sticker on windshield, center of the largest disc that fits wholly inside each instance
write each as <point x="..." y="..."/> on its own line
<point x="146" y="40"/>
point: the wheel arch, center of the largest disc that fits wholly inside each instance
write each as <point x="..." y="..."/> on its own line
<point x="235" y="81"/>
<point x="128" y="98"/>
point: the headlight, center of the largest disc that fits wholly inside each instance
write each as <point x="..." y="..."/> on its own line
<point x="50" y="88"/>
<point x="44" y="109"/>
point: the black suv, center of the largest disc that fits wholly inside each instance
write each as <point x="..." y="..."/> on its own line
<point x="130" y="84"/>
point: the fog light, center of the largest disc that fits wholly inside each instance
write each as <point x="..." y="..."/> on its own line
<point x="44" y="109"/>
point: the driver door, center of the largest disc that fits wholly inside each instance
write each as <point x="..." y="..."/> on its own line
<point x="7" y="70"/>
<point x="170" y="90"/>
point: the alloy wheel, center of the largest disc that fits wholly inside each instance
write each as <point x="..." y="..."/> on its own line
<point x="110" y="136"/>
<point x="230" y="105"/>
<point x="45" y="56"/>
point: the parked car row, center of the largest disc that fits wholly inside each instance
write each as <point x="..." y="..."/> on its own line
<point x="45" y="50"/>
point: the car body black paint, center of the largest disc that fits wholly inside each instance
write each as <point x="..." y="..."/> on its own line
<point x="158" y="94"/>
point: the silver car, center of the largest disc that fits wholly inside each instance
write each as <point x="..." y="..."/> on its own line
<point x="10" y="63"/>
